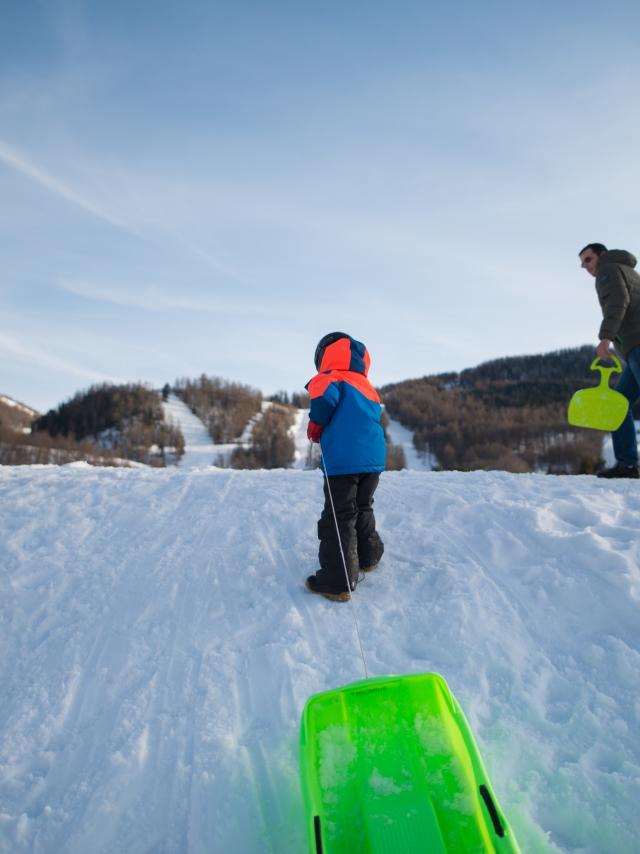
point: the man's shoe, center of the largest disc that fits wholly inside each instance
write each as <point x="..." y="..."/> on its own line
<point x="620" y="471"/>
<point x="333" y="593"/>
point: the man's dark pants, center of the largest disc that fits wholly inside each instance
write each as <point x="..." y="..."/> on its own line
<point x="625" y="444"/>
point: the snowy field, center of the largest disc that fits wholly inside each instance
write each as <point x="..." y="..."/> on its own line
<point x="157" y="647"/>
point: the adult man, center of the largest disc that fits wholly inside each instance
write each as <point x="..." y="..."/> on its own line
<point x="618" y="289"/>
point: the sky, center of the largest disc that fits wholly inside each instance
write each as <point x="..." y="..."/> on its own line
<point x="210" y="187"/>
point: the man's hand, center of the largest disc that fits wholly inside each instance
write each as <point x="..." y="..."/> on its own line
<point x="313" y="431"/>
<point x="603" y="349"/>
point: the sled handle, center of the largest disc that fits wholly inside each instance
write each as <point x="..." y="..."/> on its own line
<point x="605" y="373"/>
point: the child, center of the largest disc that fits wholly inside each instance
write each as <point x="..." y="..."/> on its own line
<point x="344" y="416"/>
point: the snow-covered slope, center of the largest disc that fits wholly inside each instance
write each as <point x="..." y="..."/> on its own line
<point x="16" y="416"/>
<point x="306" y="455"/>
<point x="403" y="438"/>
<point x="157" y="647"/>
<point x="199" y="449"/>
<point x="21" y="407"/>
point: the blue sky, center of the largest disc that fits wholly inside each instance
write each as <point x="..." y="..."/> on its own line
<point x="191" y="187"/>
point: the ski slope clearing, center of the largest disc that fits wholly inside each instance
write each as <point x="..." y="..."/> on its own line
<point x="403" y="437"/>
<point x="305" y="454"/>
<point x="157" y="647"/>
<point x="199" y="449"/>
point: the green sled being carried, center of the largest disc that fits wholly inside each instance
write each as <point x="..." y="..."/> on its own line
<point x="389" y="764"/>
<point x="599" y="407"/>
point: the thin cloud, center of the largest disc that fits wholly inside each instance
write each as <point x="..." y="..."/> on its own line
<point x="154" y="298"/>
<point x="212" y="262"/>
<point x="11" y="347"/>
<point x="16" y="161"/>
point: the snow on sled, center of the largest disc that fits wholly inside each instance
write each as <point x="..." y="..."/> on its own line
<point x="389" y="764"/>
<point x="599" y="407"/>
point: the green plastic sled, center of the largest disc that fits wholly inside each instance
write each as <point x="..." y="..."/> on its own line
<point x="389" y="764"/>
<point x="599" y="407"/>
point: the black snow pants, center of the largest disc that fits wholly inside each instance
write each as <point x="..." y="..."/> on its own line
<point x="361" y="544"/>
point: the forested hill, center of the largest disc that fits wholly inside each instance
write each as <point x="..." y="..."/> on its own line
<point x="531" y="380"/>
<point x="111" y="424"/>
<point x="508" y="413"/>
<point x="104" y="425"/>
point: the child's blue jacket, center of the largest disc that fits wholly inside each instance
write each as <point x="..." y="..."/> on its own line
<point x="347" y="406"/>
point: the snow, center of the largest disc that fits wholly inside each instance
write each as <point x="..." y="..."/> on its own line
<point x="157" y="647"/>
<point x="199" y="448"/>
<point x="306" y="455"/>
<point x="403" y="437"/>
